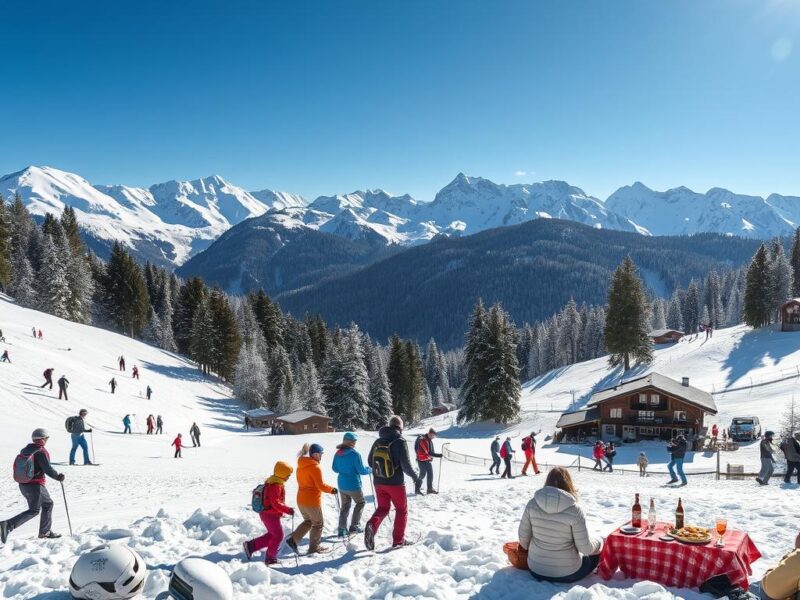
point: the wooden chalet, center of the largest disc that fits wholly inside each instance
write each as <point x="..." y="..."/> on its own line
<point x="790" y="315"/>
<point x="441" y="409"/>
<point x="665" y="336"/>
<point x="260" y="417"/>
<point x="648" y="407"/>
<point x="304" y="421"/>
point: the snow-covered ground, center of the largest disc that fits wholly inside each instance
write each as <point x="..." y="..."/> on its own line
<point x="167" y="509"/>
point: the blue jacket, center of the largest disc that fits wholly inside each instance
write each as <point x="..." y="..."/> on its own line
<point x="126" y="421"/>
<point x="348" y="464"/>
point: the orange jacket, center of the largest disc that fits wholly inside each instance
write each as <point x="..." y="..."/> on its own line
<point x="309" y="482"/>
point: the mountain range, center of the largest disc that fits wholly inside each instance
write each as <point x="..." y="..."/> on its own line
<point x="169" y="223"/>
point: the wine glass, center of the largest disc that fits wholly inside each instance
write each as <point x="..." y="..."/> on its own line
<point x="722" y="527"/>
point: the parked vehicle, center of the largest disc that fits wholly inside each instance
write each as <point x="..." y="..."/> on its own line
<point x="745" y="429"/>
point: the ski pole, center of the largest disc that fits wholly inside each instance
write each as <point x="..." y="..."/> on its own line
<point x="66" y="507"/>
<point x="296" y="559"/>
<point x="371" y="485"/>
<point x="91" y="439"/>
<point x="439" y="478"/>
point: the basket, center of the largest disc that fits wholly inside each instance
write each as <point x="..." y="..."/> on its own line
<point x="517" y="555"/>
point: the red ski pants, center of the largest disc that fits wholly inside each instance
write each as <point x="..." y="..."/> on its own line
<point x="530" y="461"/>
<point x="388" y="495"/>
<point x="270" y="540"/>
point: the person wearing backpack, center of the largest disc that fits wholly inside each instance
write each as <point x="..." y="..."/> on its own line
<point x="126" y="421"/>
<point x="159" y="425"/>
<point x="310" y="487"/>
<point x="113" y="384"/>
<point x="5" y="357"/>
<point x="48" y="377"/>
<point x="77" y="430"/>
<point x="30" y="468"/>
<point x="611" y="452"/>
<point x="151" y="424"/>
<point x="347" y="462"/>
<point x="389" y="461"/>
<point x="507" y="454"/>
<point x="529" y="448"/>
<point x="194" y="431"/>
<point x="495" y="450"/>
<point x="269" y="501"/>
<point x="423" y="447"/>
<point x="63" y="383"/>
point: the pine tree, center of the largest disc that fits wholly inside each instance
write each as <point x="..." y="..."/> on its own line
<point x="569" y="333"/>
<point x="69" y="225"/>
<point x="125" y="292"/>
<point x="309" y="389"/>
<point x="415" y="377"/>
<point x="757" y="309"/>
<point x="5" y="245"/>
<point x="191" y="295"/>
<point x="502" y="391"/>
<point x="250" y="379"/>
<point x="627" y="317"/>
<point x="674" y="313"/>
<point x="691" y="308"/>
<point x="396" y="372"/>
<point x="202" y="337"/>
<point x="476" y="358"/>
<point x="780" y="276"/>
<point x="790" y="421"/>
<point x="318" y="333"/>
<point x="380" y="396"/>
<point x="81" y="284"/>
<point x="795" y="263"/>
<point x="227" y="340"/>
<point x="345" y="384"/>
<point x="658" y="318"/>
<point x="269" y="318"/>
<point x="23" y="280"/>
<point x="713" y="300"/>
<point x="280" y="376"/>
<point x="52" y="283"/>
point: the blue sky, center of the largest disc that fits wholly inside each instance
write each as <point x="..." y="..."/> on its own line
<point x="332" y="96"/>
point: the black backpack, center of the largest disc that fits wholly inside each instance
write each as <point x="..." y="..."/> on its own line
<point x="70" y="423"/>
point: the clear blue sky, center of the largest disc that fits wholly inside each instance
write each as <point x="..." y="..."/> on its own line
<point x="331" y="96"/>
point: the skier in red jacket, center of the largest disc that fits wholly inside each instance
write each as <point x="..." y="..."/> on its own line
<point x="598" y="453"/>
<point x="178" y="443"/>
<point x="529" y="448"/>
<point x="274" y="502"/>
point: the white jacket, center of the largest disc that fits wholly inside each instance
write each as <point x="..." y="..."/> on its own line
<point x="553" y="529"/>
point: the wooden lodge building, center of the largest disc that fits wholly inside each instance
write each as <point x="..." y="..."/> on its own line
<point x="665" y="336"/>
<point x="648" y="407"/>
<point x="790" y="315"/>
<point x="304" y="421"/>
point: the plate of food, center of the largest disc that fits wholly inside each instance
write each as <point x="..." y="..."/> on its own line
<point x="692" y="535"/>
<point x="629" y="530"/>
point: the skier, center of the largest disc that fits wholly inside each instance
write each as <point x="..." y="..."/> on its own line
<point x="2" y="337"/>
<point x="113" y="384"/>
<point x="5" y="357"/>
<point x="126" y="421"/>
<point x="33" y="331"/>
<point x="529" y="448"/>
<point x="121" y="363"/>
<point x="389" y="460"/>
<point x="63" y="382"/>
<point x="246" y="423"/>
<point x="78" y="439"/>
<point x="40" y="334"/>
<point x="611" y="452"/>
<point x="507" y="454"/>
<point x="178" y="442"/>
<point x="149" y="392"/>
<point x="767" y="459"/>
<point x="151" y="424"/>
<point x="159" y="425"/>
<point x="34" y="489"/>
<point x="598" y="453"/>
<point x="677" y="450"/>
<point x="425" y="455"/>
<point x="195" y="433"/>
<point x="48" y="377"/>
<point x="642" y="462"/>
<point x="714" y="432"/>
<point x="309" y="499"/>
<point x="135" y="372"/>
<point x="790" y="446"/>
<point x="274" y="503"/>
<point x="347" y="462"/>
<point x="495" y="449"/>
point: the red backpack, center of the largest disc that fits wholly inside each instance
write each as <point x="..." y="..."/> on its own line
<point x="503" y="451"/>
<point x="24" y="467"/>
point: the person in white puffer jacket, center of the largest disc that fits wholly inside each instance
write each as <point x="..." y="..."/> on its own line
<point x="553" y="530"/>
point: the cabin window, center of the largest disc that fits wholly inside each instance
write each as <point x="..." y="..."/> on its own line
<point x="680" y="415"/>
<point x="647" y="415"/>
<point x="646" y="430"/>
<point x="655" y="399"/>
<point x="616" y="413"/>
<point x="305" y="427"/>
<point x="642" y="398"/>
<point x="316" y="425"/>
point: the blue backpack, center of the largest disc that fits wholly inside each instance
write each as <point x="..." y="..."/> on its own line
<point x="258" y="498"/>
<point x="24" y="467"/>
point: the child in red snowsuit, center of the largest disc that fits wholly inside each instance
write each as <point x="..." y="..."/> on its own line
<point x="274" y="508"/>
<point x="178" y="443"/>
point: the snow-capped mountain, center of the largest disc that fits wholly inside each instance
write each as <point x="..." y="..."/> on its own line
<point x="683" y="211"/>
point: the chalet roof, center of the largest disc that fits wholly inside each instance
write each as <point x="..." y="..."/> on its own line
<point x="259" y="413"/>
<point x="690" y="394"/>
<point x="791" y="301"/>
<point x="660" y="332"/>
<point x="300" y="415"/>
<point x="569" y="419"/>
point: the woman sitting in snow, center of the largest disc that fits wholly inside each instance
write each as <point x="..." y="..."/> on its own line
<point x="553" y="530"/>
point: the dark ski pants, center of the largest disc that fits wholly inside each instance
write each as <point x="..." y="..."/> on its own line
<point x="792" y="466"/>
<point x="495" y="468"/>
<point x="178" y="453"/>
<point x="388" y="495"/>
<point x="79" y="441"/>
<point x="160" y="429"/>
<point x="48" y="382"/>
<point x="588" y="565"/>
<point x="425" y="472"/>
<point x="127" y="429"/>
<point x="38" y="500"/>
<point x="507" y="472"/>
<point x="195" y="440"/>
<point x="62" y="390"/>
<point x="270" y="540"/>
<point x="349" y="497"/>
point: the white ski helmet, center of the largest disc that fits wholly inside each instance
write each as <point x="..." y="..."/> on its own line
<point x="108" y="572"/>
<point x="199" y="579"/>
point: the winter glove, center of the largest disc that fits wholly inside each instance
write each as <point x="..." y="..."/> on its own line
<point x="291" y="511"/>
<point x="61" y="477"/>
<point x="334" y="491"/>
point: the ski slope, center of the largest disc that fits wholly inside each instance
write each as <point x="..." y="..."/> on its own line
<point x="168" y="509"/>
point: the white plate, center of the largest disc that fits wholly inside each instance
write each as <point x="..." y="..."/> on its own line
<point x="628" y="530"/>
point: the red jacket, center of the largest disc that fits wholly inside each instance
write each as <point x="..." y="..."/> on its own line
<point x="529" y="449"/>
<point x="599" y="451"/>
<point x="178" y="442"/>
<point x="275" y="500"/>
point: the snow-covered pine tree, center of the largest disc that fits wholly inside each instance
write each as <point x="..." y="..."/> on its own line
<point x="569" y="333"/>
<point x="674" y="313"/>
<point x="250" y="379"/>
<point x="153" y="332"/>
<point x="426" y="406"/>
<point x="318" y="333"/>
<point x="164" y="312"/>
<point x="476" y="357"/>
<point x="191" y="295"/>
<point x="790" y="420"/>
<point x="280" y="375"/>
<point x="397" y="373"/>
<point x="626" y="321"/>
<point x="780" y="276"/>
<point x="125" y="292"/>
<point x="691" y="308"/>
<point x="345" y="384"/>
<point x="705" y="318"/>
<point x="713" y="300"/>
<point x="52" y="283"/>
<point x="249" y="328"/>
<point x="269" y="318"/>
<point x="733" y="308"/>
<point x="757" y="308"/>
<point x="794" y="261"/>
<point x="658" y="317"/>
<point x="5" y="245"/>
<point x="81" y="284"/>
<point x="227" y="339"/>
<point x="202" y="340"/>
<point x="502" y="390"/>
<point x="23" y="283"/>
<point x="380" y="397"/>
<point x="310" y="389"/>
<point x="288" y="402"/>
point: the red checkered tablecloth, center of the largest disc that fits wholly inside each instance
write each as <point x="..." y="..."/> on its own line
<point x="677" y="564"/>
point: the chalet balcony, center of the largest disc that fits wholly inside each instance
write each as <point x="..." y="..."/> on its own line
<point x="646" y="406"/>
<point x="660" y="421"/>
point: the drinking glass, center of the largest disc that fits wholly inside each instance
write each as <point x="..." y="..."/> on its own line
<point x="722" y="527"/>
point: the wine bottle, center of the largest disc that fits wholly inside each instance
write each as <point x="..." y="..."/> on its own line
<point x="651" y="515"/>
<point x="679" y="515"/>
<point x="636" y="514"/>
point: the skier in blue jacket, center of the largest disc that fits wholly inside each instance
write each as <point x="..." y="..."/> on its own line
<point x="347" y="462"/>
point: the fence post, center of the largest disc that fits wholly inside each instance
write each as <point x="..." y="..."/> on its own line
<point x="579" y="463"/>
<point x="718" y="453"/>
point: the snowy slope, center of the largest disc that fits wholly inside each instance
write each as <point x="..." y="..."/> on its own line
<point x="683" y="211"/>
<point x="168" y="509"/>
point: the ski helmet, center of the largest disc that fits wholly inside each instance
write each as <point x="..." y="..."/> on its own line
<point x="199" y="579"/>
<point x="40" y="433"/>
<point x="108" y="572"/>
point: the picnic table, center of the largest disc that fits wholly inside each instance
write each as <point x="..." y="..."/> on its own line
<point x="675" y="563"/>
